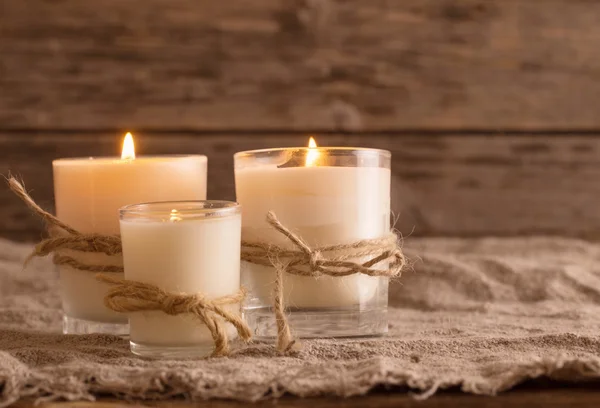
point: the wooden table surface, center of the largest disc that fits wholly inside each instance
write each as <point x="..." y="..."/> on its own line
<point x="529" y="397"/>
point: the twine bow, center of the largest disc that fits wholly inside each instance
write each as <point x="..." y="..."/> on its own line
<point x="132" y="296"/>
<point x="313" y="262"/>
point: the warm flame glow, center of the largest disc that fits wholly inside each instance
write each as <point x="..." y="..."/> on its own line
<point x="128" y="152"/>
<point x="175" y="216"/>
<point x="313" y="154"/>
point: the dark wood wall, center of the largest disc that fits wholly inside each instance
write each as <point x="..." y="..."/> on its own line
<point x="298" y="64"/>
<point x="490" y="107"/>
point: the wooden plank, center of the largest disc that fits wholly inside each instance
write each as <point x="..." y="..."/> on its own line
<point x="297" y="65"/>
<point x="441" y="185"/>
<point x="527" y="398"/>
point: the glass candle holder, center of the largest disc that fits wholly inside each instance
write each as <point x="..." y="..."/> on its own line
<point x="183" y="247"/>
<point x="327" y="196"/>
<point x="89" y="192"/>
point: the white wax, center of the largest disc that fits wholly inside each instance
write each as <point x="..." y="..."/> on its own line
<point x="187" y="256"/>
<point x="325" y="206"/>
<point x="89" y="193"/>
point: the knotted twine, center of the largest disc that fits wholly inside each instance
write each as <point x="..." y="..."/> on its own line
<point x="132" y="296"/>
<point x="312" y="262"/>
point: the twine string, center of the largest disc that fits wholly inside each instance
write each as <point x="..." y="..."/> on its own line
<point x="384" y="259"/>
<point x="125" y="296"/>
<point x="131" y="296"/>
<point x="63" y="236"/>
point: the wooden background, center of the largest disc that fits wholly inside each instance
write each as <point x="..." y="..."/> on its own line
<point x="490" y="108"/>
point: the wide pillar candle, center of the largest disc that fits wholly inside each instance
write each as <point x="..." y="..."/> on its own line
<point x="327" y="196"/>
<point x="88" y="194"/>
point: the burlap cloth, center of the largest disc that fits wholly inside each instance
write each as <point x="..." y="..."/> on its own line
<point x="481" y="315"/>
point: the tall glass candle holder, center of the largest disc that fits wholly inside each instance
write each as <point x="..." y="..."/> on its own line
<point x="327" y="196"/>
<point x="181" y="247"/>
<point x="89" y="192"/>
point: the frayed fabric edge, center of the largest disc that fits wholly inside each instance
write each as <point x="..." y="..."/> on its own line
<point x="561" y="369"/>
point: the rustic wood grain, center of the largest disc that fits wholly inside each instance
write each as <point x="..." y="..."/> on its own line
<point x="301" y="64"/>
<point x="528" y="398"/>
<point x="441" y="185"/>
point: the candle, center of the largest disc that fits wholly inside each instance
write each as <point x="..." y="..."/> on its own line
<point x="182" y="247"/>
<point x="88" y="194"/>
<point x="327" y="196"/>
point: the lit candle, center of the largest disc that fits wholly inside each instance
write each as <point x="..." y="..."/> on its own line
<point x="327" y="196"/>
<point x="88" y="194"/>
<point x="192" y="248"/>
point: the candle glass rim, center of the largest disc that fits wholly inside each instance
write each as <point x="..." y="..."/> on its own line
<point x="87" y="159"/>
<point x="182" y="210"/>
<point x="329" y="149"/>
<point x="326" y="157"/>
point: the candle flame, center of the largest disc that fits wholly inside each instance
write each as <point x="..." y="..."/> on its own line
<point x="313" y="154"/>
<point x="128" y="152"/>
<point x="175" y="216"/>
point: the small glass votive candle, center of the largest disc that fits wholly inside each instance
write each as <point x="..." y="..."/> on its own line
<point x="182" y="247"/>
<point x="327" y="196"/>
